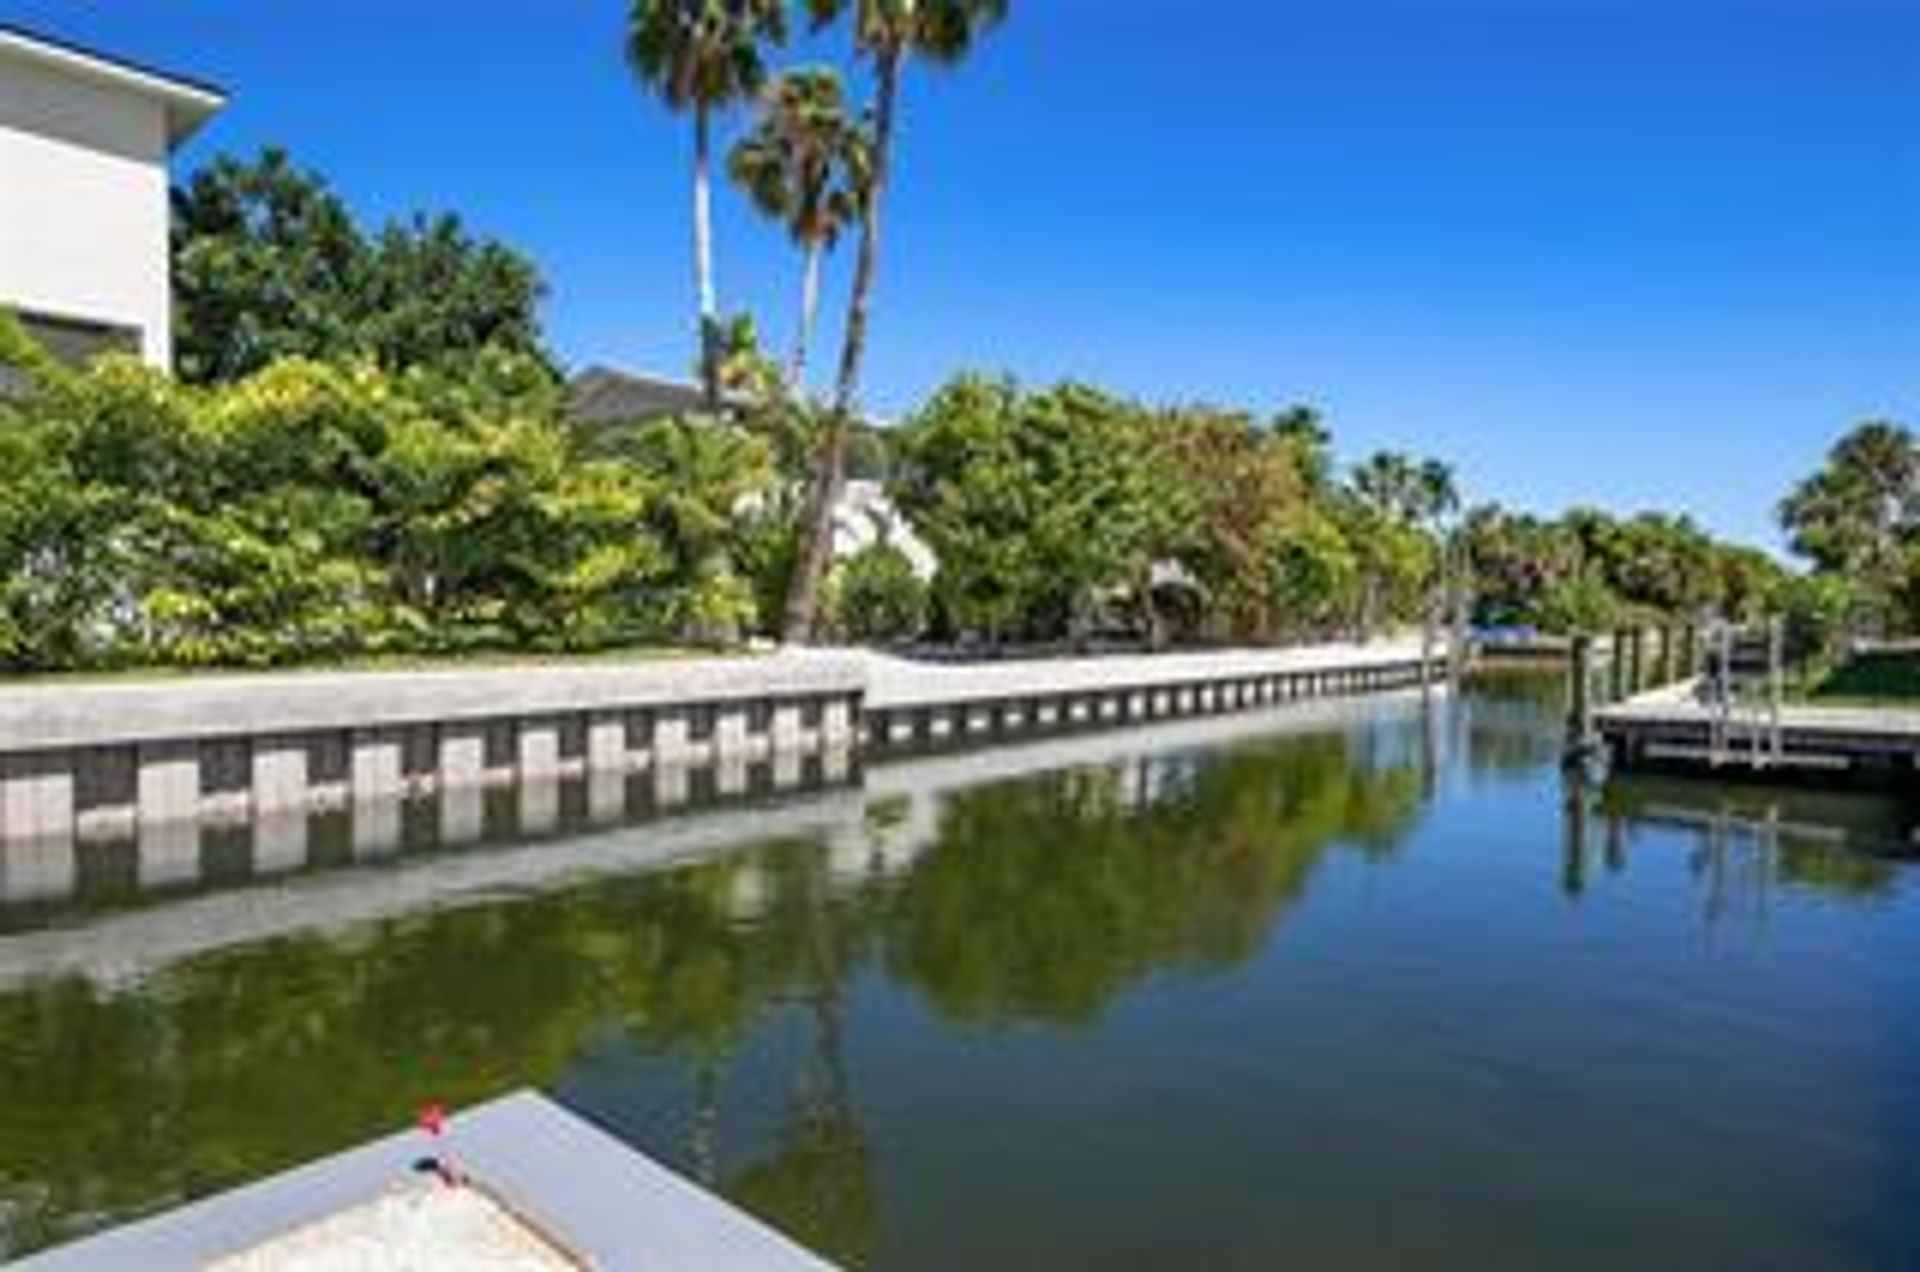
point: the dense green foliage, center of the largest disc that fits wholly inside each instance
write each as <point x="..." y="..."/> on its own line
<point x="1068" y="511"/>
<point x="268" y="264"/>
<point x="1878" y="676"/>
<point x="319" y="511"/>
<point x="877" y="597"/>
<point x="1858" y="520"/>
<point x="1588" y="570"/>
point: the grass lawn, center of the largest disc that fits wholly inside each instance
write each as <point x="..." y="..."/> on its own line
<point x="1886" y="678"/>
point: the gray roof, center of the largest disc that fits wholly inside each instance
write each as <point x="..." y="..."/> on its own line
<point x="601" y="395"/>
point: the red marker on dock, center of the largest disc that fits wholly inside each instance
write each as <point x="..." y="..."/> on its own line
<point x="432" y="1119"/>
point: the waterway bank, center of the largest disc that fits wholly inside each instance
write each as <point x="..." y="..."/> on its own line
<point x="93" y="762"/>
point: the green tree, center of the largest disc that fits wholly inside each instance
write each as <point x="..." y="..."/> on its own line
<point x="268" y="264"/>
<point x="1038" y="506"/>
<point x="435" y="293"/>
<point x="1590" y="566"/>
<point x="1393" y="512"/>
<point x="702" y="56"/>
<point x="1234" y="488"/>
<point x="805" y="164"/>
<point x="1859" y="517"/>
<point x="707" y="474"/>
<point x="887" y="33"/>
<point x="1516" y="560"/>
<point x="314" y="510"/>
<point x="878" y="597"/>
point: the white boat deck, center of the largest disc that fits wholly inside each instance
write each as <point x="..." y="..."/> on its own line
<point x="578" y="1186"/>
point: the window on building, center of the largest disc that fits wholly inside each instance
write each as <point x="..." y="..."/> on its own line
<point x="74" y="340"/>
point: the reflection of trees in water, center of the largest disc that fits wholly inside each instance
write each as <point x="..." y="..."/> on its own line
<point x="237" y="1064"/>
<point x="1512" y="720"/>
<point x="1046" y="898"/>
<point x="1049" y="898"/>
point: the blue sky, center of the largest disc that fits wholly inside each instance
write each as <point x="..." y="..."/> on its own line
<point x="1623" y="252"/>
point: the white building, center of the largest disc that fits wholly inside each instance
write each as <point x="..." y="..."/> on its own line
<point x="865" y="517"/>
<point x="84" y="146"/>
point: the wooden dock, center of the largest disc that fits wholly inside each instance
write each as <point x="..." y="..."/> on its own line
<point x="1675" y="728"/>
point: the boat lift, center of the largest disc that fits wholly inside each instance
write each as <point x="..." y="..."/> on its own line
<point x="1744" y="689"/>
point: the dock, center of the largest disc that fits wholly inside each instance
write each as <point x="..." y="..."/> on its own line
<point x="1675" y="727"/>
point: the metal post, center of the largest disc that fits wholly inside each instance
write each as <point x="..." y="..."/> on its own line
<point x="1429" y="623"/>
<point x="1776" y="689"/>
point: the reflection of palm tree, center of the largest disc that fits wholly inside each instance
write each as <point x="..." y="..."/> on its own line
<point x="818" y="1186"/>
<point x="701" y="993"/>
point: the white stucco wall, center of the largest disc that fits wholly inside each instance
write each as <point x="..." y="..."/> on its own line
<point x="83" y="201"/>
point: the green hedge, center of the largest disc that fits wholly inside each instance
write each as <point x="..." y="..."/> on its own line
<point x="315" y="511"/>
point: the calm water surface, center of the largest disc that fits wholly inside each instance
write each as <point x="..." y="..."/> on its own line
<point x="1362" y="987"/>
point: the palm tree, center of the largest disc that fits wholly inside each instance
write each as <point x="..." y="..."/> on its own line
<point x="703" y="55"/>
<point x="1398" y="492"/>
<point x="805" y="164"/>
<point x="886" y="32"/>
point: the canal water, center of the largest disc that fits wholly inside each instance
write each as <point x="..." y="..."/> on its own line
<point x="1359" y="985"/>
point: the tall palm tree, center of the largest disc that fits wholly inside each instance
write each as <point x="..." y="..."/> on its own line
<point x="886" y="33"/>
<point x="702" y="56"/>
<point x="805" y="164"/>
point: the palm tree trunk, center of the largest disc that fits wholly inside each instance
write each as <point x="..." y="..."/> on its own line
<point x="803" y="596"/>
<point x="703" y="253"/>
<point x="809" y="307"/>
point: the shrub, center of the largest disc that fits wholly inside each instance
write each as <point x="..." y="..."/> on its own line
<point x="879" y="597"/>
<point x="317" y="510"/>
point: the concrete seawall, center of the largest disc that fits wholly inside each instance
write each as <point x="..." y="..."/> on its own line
<point x="920" y="704"/>
<point x="124" y="938"/>
<point x="95" y="760"/>
<point x="102" y="761"/>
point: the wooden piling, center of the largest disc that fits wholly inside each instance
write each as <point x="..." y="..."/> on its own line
<point x="1580" y="734"/>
